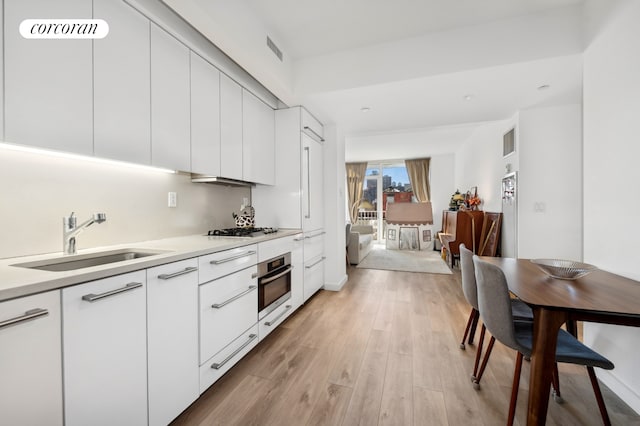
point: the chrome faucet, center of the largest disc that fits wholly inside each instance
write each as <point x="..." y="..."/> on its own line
<point x="70" y="230"/>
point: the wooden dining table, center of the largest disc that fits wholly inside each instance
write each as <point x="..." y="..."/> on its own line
<point x="599" y="296"/>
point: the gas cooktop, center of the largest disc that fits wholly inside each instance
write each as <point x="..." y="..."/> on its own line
<point x="241" y="232"/>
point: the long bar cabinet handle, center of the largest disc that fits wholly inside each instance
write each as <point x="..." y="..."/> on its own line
<point x="308" y="188"/>
<point x="275" y="320"/>
<point x="229" y="259"/>
<point x="315" y="263"/>
<point x="218" y="366"/>
<point x="308" y="237"/>
<point x="95" y="297"/>
<point x="236" y="297"/>
<point x="309" y="129"/>
<point x="28" y="315"/>
<point x="177" y="274"/>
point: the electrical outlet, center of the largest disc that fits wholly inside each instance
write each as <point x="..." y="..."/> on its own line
<point x="245" y="201"/>
<point x="172" y="199"/>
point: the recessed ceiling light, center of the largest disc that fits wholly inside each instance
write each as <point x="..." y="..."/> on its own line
<point x="468" y="97"/>
<point x="543" y="87"/>
<point x="365" y="109"/>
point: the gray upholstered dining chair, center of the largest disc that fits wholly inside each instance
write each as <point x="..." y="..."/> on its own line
<point x="494" y="303"/>
<point x="519" y="309"/>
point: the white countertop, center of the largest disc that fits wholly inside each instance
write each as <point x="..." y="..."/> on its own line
<point x="16" y="281"/>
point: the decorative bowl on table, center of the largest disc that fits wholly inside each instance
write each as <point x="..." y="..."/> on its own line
<point x="563" y="269"/>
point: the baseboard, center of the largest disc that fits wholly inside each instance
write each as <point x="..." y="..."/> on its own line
<point x="624" y="392"/>
<point x="336" y="286"/>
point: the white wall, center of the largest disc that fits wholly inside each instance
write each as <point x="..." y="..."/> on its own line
<point x="479" y="163"/>
<point x="550" y="182"/>
<point x="38" y="190"/>
<point x="611" y="152"/>
<point x="441" y="170"/>
<point x="334" y="212"/>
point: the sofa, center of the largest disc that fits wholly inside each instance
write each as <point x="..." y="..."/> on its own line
<point x="360" y="243"/>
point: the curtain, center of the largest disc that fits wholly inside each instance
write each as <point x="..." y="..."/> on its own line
<point x="355" y="181"/>
<point x="418" y="171"/>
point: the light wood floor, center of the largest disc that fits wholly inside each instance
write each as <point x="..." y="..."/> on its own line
<point x="383" y="351"/>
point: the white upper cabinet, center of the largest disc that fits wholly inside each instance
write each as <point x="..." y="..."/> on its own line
<point x="258" y="140"/>
<point x="205" y="117"/>
<point x="48" y="83"/>
<point x="230" y="128"/>
<point x="170" y="102"/>
<point x="122" y="114"/>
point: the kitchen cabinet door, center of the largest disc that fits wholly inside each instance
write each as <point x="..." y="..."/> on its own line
<point x="172" y="336"/>
<point x="230" y="128"/>
<point x="48" y="83"/>
<point x="205" y="117"/>
<point x="258" y="140"/>
<point x="312" y="184"/>
<point x="170" y="102"/>
<point x="297" y="274"/>
<point x="105" y="351"/>
<point x="122" y="112"/>
<point x="30" y="360"/>
<point x="313" y="276"/>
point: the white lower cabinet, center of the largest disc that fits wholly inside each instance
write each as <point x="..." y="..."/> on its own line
<point x="30" y="360"/>
<point x="313" y="276"/>
<point x="105" y="351"/>
<point x="172" y="339"/>
<point x="228" y="307"/>
<point x="297" y="273"/>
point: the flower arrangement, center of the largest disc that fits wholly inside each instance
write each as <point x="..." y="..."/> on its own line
<point x="473" y="202"/>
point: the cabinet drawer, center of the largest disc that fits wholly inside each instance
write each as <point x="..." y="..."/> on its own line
<point x="223" y="263"/>
<point x="216" y="366"/>
<point x="311" y="126"/>
<point x="274" y="319"/>
<point x="272" y="248"/>
<point x="313" y="244"/>
<point x="228" y="306"/>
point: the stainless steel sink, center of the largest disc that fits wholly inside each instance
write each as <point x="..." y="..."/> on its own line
<point x="71" y="263"/>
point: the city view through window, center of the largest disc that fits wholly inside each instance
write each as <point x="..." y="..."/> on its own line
<point x="389" y="183"/>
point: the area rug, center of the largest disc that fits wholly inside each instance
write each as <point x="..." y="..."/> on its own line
<point x="405" y="260"/>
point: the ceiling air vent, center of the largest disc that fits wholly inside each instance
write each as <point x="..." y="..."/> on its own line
<point x="274" y="48"/>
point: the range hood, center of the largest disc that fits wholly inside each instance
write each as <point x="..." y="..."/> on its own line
<point x="196" y="178"/>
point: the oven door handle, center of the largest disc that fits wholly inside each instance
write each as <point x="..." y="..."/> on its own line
<point x="275" y="277"/>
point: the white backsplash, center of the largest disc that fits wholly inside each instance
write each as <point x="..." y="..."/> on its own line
<point x="38" y="190"/>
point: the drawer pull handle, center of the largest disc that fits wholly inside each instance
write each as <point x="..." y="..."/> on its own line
<point x="298" y="239"/>
<point x="219" y="365"/>
<point x="315" y="263"/>
<point x="308" y="237"/>
<point x="229" y="259"/>
<point x="317" y="136"/>
<point x="275" y="320"/>
<point x="236" y="297"/>
<point x="275" y="277"/>
<point x="95" y="297"/>
<point x="177" y="274"/>
<point x="29" y="315"/>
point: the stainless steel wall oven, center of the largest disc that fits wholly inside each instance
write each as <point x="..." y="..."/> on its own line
<point x="274" y="283"/>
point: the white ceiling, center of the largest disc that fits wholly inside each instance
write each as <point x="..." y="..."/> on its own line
<point x="411" y="61"/>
